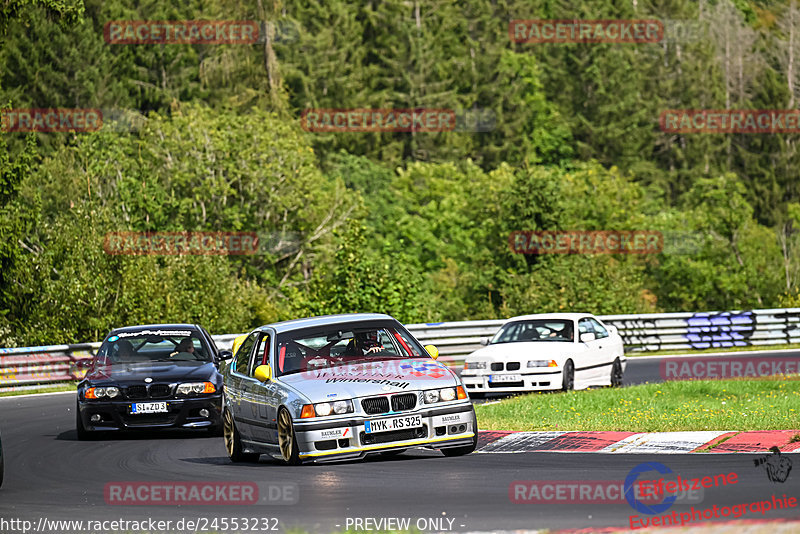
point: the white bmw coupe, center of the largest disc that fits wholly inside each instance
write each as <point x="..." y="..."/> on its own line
<point x="546" y="352"/>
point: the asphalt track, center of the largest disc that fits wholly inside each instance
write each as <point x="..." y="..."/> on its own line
<point x="49" y="474"/>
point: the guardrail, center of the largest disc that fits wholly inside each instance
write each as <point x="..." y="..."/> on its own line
<point x="21" y="367"/>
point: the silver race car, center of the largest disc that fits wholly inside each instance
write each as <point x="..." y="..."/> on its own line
<point x="341" y="387"/>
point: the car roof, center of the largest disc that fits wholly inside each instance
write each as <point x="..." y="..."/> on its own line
<point x="326" y="320"/>
<point x="568" y="316"/>
<point x="174" y="326"/>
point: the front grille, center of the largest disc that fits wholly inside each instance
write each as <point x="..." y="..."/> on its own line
<point x="159" y="390"/>
<point x="512" y="366"/>
<point x="136" y="392"/>
<point x="405" y="401"/>
<point x="394" y="435"/>
<point x="497" y="366"/>
<point x="375" y="405"/>
<point x="132" y="420"/>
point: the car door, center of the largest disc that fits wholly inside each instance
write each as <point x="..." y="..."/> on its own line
<point x="236" y="392"/>
<point x="606" y="345"/>
<point x="590" y="370"/>
<point x="262" y="396"/>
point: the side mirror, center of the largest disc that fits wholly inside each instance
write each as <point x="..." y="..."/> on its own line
<point x="432" y="350"/>
<point x="224" y="355"/>
<point x="484" y="341"/>
<point x="588" y="336"/>
<point x="83" y="363"/>
<point x="263" y="373"/>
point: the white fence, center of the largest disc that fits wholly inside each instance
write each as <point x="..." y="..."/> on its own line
<point x="22" y="367"/>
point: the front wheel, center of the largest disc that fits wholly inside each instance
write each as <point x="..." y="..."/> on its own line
<point x="287" y="440"/>
<point x="616" y="374"/>
<point x="466" y="449"/>
<point x="233" y="440"/>
<point x="568" y="382"/>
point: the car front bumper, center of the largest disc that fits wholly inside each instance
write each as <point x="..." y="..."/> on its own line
<point x="183" y="413"/>
<point x="497" y="382"/>
<point x="346" y="438"/>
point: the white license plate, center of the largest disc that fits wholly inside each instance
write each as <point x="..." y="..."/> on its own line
<point x="149" y="407"/>
<point x="505" y="378"/>
<point x="395" y="423"/>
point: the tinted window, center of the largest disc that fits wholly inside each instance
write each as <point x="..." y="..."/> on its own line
<point x="535" y="330"/>
<point x="154" y="345"/>
<point x="599" y="329"/>
<point x="243" y="354"/>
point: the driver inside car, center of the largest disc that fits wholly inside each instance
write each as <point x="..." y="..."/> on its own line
<point x="363" y="343"/>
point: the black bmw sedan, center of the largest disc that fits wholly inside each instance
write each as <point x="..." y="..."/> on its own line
<point x="152" y="376"/>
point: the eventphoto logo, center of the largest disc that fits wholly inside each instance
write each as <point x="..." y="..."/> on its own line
<point x="51" y="120"/>
<point x="753" y="121"/>
<point x="586" y="242"/>
<point x="586" y="31"/>
<point x="181" y="31"/>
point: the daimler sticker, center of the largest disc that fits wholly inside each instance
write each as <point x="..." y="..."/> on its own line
<point x="336" y="433"/>
<point x="451" y="418"/>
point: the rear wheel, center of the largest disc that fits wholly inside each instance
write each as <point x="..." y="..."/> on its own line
<point x="616" y="374"/>
<point x="287" y="440"/>
<point x="568" y="382"/>
<point x="466" y="449"/>
<point x="233" y="441"/>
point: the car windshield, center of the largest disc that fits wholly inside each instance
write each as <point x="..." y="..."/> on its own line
<point x="153" y="345"/>
<point x="312" y="349"/>
<point x="535" y="330"/>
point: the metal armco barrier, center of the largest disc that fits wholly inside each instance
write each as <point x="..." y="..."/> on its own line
<point x="645" y="332"/>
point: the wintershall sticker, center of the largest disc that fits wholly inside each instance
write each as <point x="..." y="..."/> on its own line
<point x="586" y="242"/>
<point x="586" y="31"/>
<point x="181" y="31"/>
<point x="378" y="120"/>
<point x="51" y="120"/>
<point x="199" y="493"/>
<point x="730" y="121"/>
<point x="725" y="367"/>
<point x="179" y="243"/>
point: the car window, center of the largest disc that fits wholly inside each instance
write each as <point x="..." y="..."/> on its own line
<point x="534" y="330"/>
<point x="599" y="329"/>
<point x="584" y="326"/>
<point x="243" y="354"/>
<point x="261" y="355"/>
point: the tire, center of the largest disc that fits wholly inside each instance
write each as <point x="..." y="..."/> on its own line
<point x="568" y="382"/>
<point x="233" y="440"/>
<point x="287" y="440"/>
<point x="616" y="374"/>
<point x="466" y="449"/>
<point x="83" y="434"/>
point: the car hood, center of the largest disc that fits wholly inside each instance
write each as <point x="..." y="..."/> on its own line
<point x="374" y="378"/>
<point x="523" y="350"/>
<point x="163" y="372"/>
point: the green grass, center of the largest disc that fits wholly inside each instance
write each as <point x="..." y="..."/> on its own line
<point x="70" y="386"/>
<point x="769" y="403"/>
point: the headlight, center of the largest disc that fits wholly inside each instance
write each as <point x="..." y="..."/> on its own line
<point x="542" y="363"/>
<point x="343" y="406"/>
<point x="101" y="393"/>
<point x="195" y="388"/>
<point x="447" y="394"/>
<point x="443" y="395"/>
<point x="474" y="365"/>
<point x="323" y="409"/>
